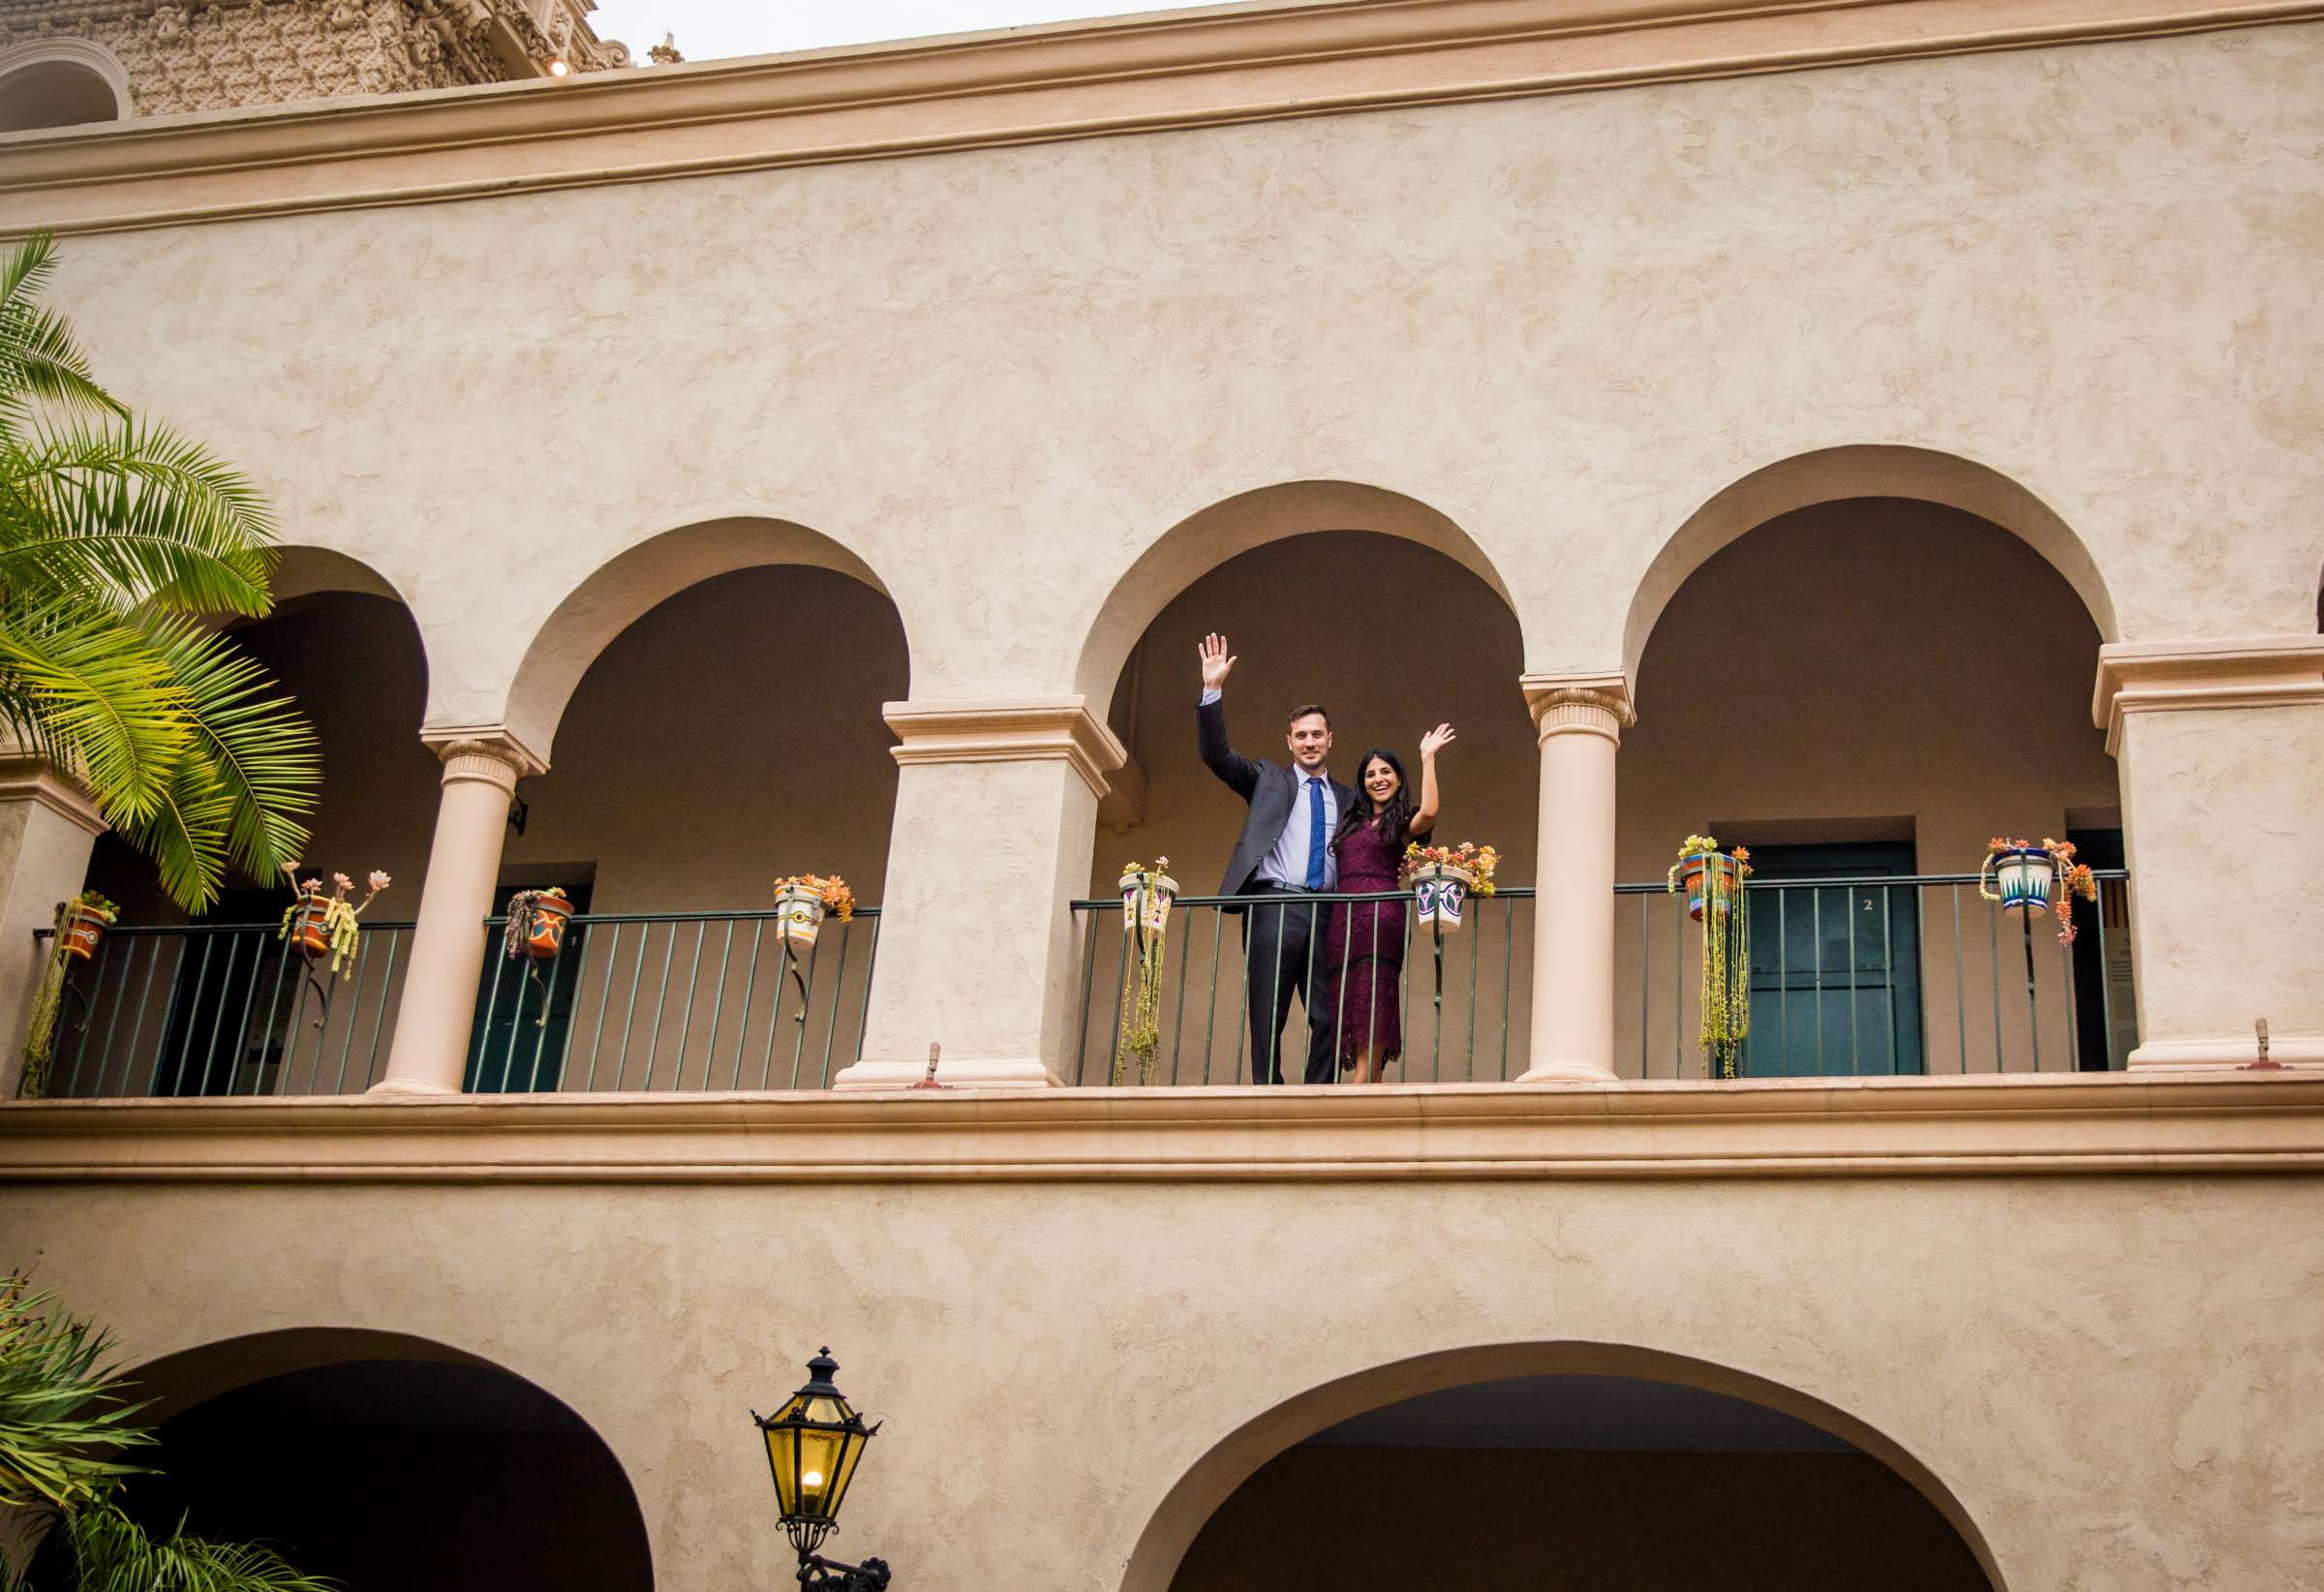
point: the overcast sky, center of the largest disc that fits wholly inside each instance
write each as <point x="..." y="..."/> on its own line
<point x="708" y="29"/>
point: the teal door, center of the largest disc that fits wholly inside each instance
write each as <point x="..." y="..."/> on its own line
<point x="1835" y="967"/>
<point x="525" y="1010"/>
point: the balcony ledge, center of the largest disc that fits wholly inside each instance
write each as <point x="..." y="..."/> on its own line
<point x="1819" y="1127"/>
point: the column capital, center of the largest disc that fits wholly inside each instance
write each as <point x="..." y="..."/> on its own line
<point x="1007" y="731"/>
<point x="24" y="778"/>
<point x="2180" y="676"/>
<point x="486" y="753"/>
<point x="1569" y="704"/>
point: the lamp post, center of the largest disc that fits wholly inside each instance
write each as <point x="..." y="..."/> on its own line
<point x="813" y="1444"/>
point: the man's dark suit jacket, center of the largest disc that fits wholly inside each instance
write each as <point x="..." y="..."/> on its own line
<point x="1269" y="787"/>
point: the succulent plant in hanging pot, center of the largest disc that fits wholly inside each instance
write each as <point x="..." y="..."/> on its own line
<point x="2024" y="877"/>
<point x="88" y="916"/>
<point x="324" y="926"/>
<point x="1443" y="877"/>
<point x="803" y="899"/>
<point x="536" y="923"/>
<point x="1713" y="883"/>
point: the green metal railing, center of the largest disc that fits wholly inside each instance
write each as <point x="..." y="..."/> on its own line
<point x="1879" y="975"/>
<point x="637" y="1001"/>
<point x="225" y="1009"/>
<point x="1854" y="975"/>
<point x="674" y="1001"/>
<point x="1454" y="991"/>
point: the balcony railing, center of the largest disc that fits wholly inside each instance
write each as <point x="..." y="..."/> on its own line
<point x="226" y="1009"/>
<point x="675" y="1001"/>
<point x="1865" y="976"/>
<point x="1455" y="992"/>
<point x="663" y="1001"/>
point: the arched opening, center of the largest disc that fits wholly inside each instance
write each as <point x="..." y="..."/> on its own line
<point x="1872" y="688"/>
<point x="1383" y="611"/>
<point x="1559" y="1464"/>
<point x="219" y="1005"/>
<point x="331" y="1444"/>
<point x="715" y="698"/>
<point x="60" y="82"/>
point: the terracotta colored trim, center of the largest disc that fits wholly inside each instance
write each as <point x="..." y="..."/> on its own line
<point x="37" y="779"/>
<point x="1008" y="730"/>
<point x="2165" y="676"/>
<point x="1148" y="73"/>
<point x="2054" y="1123"/>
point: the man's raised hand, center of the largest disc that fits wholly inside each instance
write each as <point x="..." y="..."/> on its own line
<point x="1216" y="661"/>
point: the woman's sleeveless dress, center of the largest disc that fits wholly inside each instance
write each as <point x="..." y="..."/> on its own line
<point x="1364" y="948"/>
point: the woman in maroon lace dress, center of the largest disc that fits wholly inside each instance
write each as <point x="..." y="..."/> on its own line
<point x="1364" y="945"/>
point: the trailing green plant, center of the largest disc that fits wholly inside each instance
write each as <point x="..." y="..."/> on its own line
<point x="1146" y="895"/>
<point x="1725" y="996"/>
<point x="63" y="1418"/>
<point x="120" y="543"/>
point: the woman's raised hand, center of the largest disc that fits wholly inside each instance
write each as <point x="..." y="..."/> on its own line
<point x="1435" y="741"/>
<point x="1216" y="661"/>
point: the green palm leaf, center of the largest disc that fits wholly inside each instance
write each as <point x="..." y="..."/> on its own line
<point x="105" y="703"/>
<point x="131" y="513"/>
<point x="60" y="1413"/>
<point x="113" y="1553"/>
<point x="38" y="356"/>
<point x="261" y="755"/>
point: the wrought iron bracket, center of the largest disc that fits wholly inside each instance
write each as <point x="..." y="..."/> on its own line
<point x="820" y="1574"/>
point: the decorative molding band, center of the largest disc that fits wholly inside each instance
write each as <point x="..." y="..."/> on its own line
<point x="1033" y="85"/>
<point x="1579" y="704"/>
<point x="2284" y="1049"/>
<point x="38" y="781"/>
<point x="2007" y="1125"/>
<point x="1008" y="730"/>
<point x="487" y="752"/>
<point x="2162" y="676"/>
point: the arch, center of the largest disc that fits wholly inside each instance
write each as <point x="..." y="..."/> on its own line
<point x="1861" y="471"/>
<point x="619" y="592"/>
<point x="1234" y="1457"/>
<point x="1209" y="536"/>
<point x="356" y="1380"/>
<point x="61" y="82"/>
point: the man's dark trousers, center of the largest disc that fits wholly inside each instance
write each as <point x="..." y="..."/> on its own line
<point x="1283" y="958"/>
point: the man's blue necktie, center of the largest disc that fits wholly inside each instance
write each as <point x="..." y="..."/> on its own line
<point x="1315" y="834"/>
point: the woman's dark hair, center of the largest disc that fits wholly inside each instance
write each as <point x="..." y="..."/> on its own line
<point x="1396" y="816"/>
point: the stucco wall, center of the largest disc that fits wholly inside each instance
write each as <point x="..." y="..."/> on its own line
<point x="2101" y="1370"/>
<point x="1563" y="323"/>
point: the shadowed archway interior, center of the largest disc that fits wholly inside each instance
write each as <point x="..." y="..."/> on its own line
<point x="334" y="1462"/>
<point x="1577" y="1481"/>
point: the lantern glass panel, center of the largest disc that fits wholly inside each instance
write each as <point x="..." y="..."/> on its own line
<point x="821" y="1454"/>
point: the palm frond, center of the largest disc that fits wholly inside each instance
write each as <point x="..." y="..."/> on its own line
<point x="262" y="757"/>
<point x="107" y="702"/>
<point x="38" y="357"/>
<point x="61" y="1414"/>
<point x="185" y="831"/>
<point x="132" y="513"/>
<point x="112" y="1553"/>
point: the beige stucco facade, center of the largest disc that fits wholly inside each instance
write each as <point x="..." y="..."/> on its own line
<point x="1887" y="422"/>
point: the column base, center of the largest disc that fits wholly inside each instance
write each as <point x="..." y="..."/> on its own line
<point x="407" y="1089"/>
<point x="2286" y="1049"/>
<point x="1566" y="1072"/>
<point x="983" y="1073"/>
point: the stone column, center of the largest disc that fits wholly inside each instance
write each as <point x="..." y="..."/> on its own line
<point x="996" y="814"/>
<point x="47" y="827"/>
<point x="2220" y="745"/>
<point x="1579" y="720"/>
<point x="481" y="766"/>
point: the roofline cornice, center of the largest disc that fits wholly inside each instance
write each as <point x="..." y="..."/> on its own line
<point x="1166" y="72"/>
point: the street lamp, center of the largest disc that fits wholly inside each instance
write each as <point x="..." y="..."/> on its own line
<point x="813" y="1444"/>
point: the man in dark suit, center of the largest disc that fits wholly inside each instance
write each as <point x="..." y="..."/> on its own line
<point x="1284" y="854"/>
